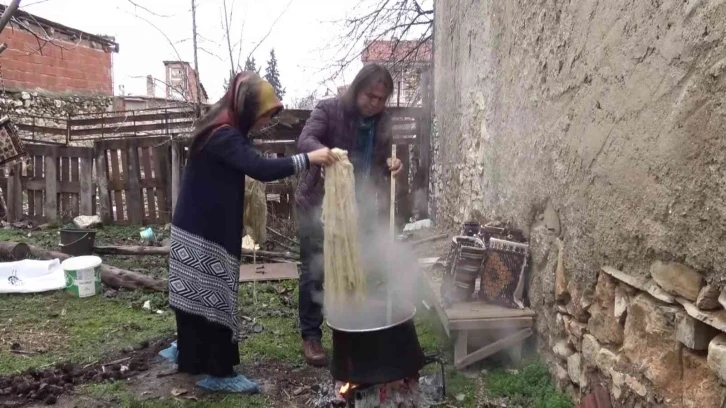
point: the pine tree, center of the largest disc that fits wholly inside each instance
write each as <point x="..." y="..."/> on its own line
<point x="251" y="65"/>
<point x="272" y="75"/>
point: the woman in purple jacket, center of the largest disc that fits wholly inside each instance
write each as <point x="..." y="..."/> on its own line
<point x="357" y="122"/>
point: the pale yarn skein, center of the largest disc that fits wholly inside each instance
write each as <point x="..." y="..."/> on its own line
<point x="344" y="276"/>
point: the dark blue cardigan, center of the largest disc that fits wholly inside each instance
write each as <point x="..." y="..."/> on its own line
<point x="211" y="198"/>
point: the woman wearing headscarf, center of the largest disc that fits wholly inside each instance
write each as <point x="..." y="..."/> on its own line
<point x="206" y="231"/>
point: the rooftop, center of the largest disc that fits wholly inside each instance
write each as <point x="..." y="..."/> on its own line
<point x="33" y="20"/>
<point x="397" y="51"/>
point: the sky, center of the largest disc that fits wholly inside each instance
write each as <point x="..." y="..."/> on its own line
<point x="306" y="38"/>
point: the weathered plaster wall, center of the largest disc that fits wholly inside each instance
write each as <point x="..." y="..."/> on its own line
<point x="602" y="123"/>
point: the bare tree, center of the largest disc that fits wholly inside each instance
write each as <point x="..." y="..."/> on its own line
<point x="306" y="102"/>
<point x="407" y="24"/>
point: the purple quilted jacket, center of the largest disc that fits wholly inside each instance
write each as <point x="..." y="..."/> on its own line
<point x="332" y="124"/>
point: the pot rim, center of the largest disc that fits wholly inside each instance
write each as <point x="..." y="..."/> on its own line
<point x="374" y="329"/>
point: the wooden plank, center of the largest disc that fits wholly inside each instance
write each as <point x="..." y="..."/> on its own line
<point x="87" y="188"/>
<point x="115" y="177"/>
<point x="58" y="151"/>
<point x="63" y="187"/>
<point x="38" y="175"/>
<point x="119" y="144"/>
<point x="134" y="198"/>
<point x="75" y="177"/>
<point x="51" y="188"/>
<point x="268" y="272"/>
<point x="149" y="176"/>
<point x="461" y="345"/>
<point x="495" y="347"/>
<point x="31" y="193"/>
<point x="65" y="175"/>
<point x="15" y="194"/>
<point x="104" y="200"/>
<point x="176" y="155"/>
<point x="114" y="118"/>
<point x="160" y="159"/>
<point x="498" y="323"/>
<point x="131" y="130"/>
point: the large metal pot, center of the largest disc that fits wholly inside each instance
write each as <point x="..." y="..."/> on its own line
<point x="366" y="352"/>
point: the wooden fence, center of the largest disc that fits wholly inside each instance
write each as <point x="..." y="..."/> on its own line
<point x="135" y="180"/>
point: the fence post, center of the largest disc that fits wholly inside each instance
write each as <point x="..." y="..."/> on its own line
<point x="135" y="199"/>
<point x="176" y="156"/>
<point x="86" y="181"/>
<point x="15" y="194"/>
<point x="424" y="143"/>
<point x="51" y="185"/>
<point x="104" y="201"/>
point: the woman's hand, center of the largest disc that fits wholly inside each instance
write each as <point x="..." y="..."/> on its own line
<point x="322" y="157"/>
<point x="394" y="166"/>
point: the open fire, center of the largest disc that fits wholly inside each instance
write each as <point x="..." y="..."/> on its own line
<point x="397" y="394"/>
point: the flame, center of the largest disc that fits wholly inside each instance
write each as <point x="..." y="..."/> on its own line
<point x="345" y="388"/>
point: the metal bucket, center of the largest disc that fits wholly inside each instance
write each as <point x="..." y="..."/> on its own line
<point x="77" y="242"/>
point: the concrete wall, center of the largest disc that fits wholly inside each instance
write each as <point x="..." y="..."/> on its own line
<point x="85" y="68"/>
<point x="601" y="123"/>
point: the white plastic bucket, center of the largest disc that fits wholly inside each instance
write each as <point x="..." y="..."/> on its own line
<point x="83" y="275"/>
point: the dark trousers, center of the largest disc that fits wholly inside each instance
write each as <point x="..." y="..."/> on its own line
<point x="310" y="305"/>
<point x="205" y="347"/>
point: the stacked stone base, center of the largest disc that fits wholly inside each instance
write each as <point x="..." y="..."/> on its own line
<point x="639" y="337"/>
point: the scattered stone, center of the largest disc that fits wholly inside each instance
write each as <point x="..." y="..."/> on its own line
<point x="636" y="385"/>
<point x="561" y="293"/>
<point x="701" y="386"/>
<point x="574" y="367"/>
<point x="580" y="302"/>
<point x="606" y="360"/>
<point x="717" y="356"/>
<point x="722" y="298"/>
<point x="299" y="391"/>
<point x="176" y="392"/>
<point x="621" y="304"/>
<point x="87" y="221"/>
<point x="576" y="329"/>
<point x="552" y="219"/>
<point x="618" y="380"/>
<point x="650" y="341"/>
<point x="562" y="350"/>
<point x="602" y="323"/>
<point x="677" y="279"/>
<point x="645" y="285"/>
<point x="715" y="318"/>
<point x="561" y="375"/>
<point x="694" y="334"/>
<point x="590" y="348"/>
<point x="257" y="328"/>
<point x="708" y="298"/>
<point x="460" y="397"/>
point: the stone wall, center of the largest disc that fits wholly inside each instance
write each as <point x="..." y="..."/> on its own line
<point x="49" y="110"/>
<point x="599" y="125"/>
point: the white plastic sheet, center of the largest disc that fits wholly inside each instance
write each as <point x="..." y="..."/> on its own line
<point x="31" y="276"/>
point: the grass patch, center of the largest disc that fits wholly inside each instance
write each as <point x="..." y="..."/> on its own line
<point x="529" y="387"/>
<point x="57" y="327"/>
<point x="118" y="394"/>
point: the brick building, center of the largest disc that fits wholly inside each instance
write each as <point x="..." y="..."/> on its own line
<point x="177" y="90"/>
<point x="181" y="82"/>
<point x="406" y="60"/>
<point x="44" y="55"/>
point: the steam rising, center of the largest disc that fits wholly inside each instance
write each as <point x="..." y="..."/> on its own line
<point x="390" y="267"/>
